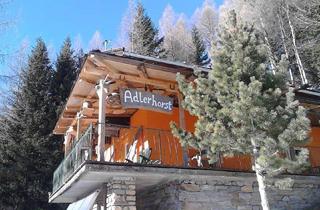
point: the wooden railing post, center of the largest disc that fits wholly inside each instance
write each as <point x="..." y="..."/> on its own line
<point x="102" y="91"/>
<point x="79" y="116"/>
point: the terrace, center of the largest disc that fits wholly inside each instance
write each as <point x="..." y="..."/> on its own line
<point x="108" y="130"/>
<point x="160" y="149"/>
<point x="106" y="136"/>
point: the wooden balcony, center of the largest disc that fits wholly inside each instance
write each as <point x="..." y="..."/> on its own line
<point x="137" y="146"/>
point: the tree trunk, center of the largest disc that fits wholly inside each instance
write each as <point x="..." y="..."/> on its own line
<point x="259" y="174"/>
<point x="262" y="187"/>
<point x="295" y="49"/>
<point x="283" y="38"/>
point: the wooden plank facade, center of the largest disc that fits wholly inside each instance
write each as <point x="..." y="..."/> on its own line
<point x="149" y="128"/>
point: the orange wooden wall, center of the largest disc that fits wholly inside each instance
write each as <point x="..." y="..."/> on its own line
<point x="156" y="130"/>
<point x="158" y="120"/>
<point x="314" y="147"/>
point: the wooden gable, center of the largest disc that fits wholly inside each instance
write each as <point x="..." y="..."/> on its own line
<point x="127" y="71"/>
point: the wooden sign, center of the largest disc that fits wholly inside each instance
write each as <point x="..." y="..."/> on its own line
<point x="132" y="98"/>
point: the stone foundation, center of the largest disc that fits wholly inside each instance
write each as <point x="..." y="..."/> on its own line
<point x="121" y="194"/>
<point x="225" y="194"/>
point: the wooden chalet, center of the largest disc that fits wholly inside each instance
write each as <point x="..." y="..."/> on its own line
<point x="117" y="121"/>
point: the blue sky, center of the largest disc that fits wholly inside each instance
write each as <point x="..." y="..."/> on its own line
<point x="54" y="20"/>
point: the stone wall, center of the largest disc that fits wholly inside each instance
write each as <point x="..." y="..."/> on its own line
<point x="228" y="194"/>
<point x="121" y="194"/>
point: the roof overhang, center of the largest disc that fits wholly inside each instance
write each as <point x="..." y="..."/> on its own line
<point x="127" y="70"/>
<point x="309" y="98"/>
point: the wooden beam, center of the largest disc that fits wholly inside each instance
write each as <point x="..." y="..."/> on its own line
<point x="170" y="87"/>
<point x="83" y="119"/>
<point x="160" y="66"/>
<point x="106" y="69"/>
<point x="72" y="108"/>
<point x="84" y="97"/>
<point x="105" y="65"/>
<point x="72" y="114"/>
<point x="67" y="115"/>
<point x="181" y="70"/>
<point x="90" y="63"/>
<point x="91" y="82"/>
<point x="109" y="111"/>
<point x="63" y="125"/>
<point x="113" y="87"/>
<point x="75" y="109"/>
<point x="94" y="71"/>
<point x="65" y="121"/>
<point x="142" y="71"/>
<point x="99" y="66"/>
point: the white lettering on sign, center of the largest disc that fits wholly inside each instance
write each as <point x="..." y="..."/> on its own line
<point x="132" y="98"/>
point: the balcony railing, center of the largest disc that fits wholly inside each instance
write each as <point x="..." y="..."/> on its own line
<point x="147" y="146"/>
<point x="81" y="151"/>
<point x="137" y="145"/>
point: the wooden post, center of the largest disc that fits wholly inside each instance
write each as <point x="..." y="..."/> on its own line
<point x="66" y="144"/>
<point x="101" y="92"/>
<point x="182" y="124"/>
<point x="67" y="138"/>
<point x="79" y="116"/>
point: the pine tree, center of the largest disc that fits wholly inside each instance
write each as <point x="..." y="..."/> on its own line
<point x="144" y="37"/>
<point x="79" y="58"/>
<point x="243" y="108"/>
<point x="11" y="173"/>
<point x="201" y="57"/>
<point x="30" y="152"/>
<point x="65" y="73"/>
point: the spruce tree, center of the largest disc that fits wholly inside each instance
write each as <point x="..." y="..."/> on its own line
<point x="11" y="171"/>
<point x="79" y="58"/>
<point x="30" y="152"/>
<point x="243" y="108"/>
<point x="201" y="57"/>
<point x="65" y="73"/>
<point x="144" y="38"/>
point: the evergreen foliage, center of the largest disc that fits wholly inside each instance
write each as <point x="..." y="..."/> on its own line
<point x="201" y="57"/>
<point x="29" y="152"/>
<point x="307" y="21"/>
<point x="144" y="36"/>
<point x="65" y="73"/>
<point x="243" y="108"/>
<point x="290" y="27"/>
<point x="79" y="59"/>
